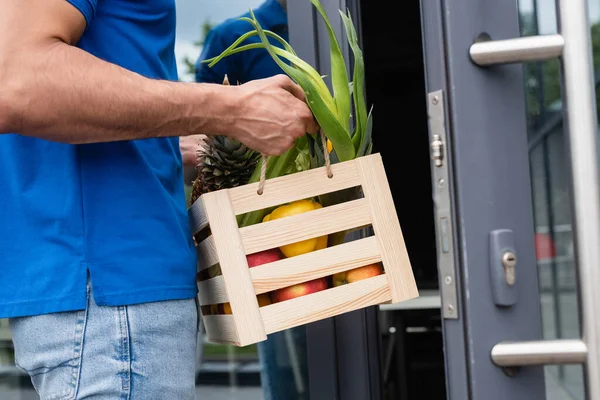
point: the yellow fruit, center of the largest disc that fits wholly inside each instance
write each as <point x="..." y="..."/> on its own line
<point x="267" y="218"/>
<point x="304" y="246"/>
<point x="329" y="146"/>
<point x="321" y="241"/>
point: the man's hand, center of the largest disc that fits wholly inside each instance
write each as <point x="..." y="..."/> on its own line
<point x="189" y="149"/>
<point x="55" y="91"/>
<point x="270" y="114"/>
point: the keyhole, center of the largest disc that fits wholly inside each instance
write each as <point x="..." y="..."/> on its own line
<point x="509" y="261"/>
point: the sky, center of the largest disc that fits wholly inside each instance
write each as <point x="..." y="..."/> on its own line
<point x="190" y="16"/>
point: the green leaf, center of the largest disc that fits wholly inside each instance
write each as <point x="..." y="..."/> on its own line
<point x="358" y="82"/>
<point x="339" y="74"/>
<point x="243" y="38"/>
<point x="296" y="62"/>
<point x="364" y="145"/>
<point x="316" y="99"/>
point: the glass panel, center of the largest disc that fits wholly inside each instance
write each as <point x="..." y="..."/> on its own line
<point x="551" y="200"/>
<point x="277" y="368"/>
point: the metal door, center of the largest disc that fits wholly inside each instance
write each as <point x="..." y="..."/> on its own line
<point x="485" y="189"/>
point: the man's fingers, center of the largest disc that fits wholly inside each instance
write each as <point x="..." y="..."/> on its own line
<point x="312" y="126"/>
<point x="292" y="87"/>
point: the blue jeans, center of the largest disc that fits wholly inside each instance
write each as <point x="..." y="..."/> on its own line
<point x="284" y="369"/>
<point x="138" y="352"/>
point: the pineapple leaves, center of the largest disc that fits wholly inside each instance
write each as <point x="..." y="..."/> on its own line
<point x="339" y="75"/>
<point x="333" y="109"/>
<point x="319" y="99"/>
<point x="358" y="85"/>
<point x="366" y="142"/>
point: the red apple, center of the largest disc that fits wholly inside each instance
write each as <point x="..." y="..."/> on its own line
<point x="264" y="257"/>
<point x="256" y="259"/>
<point x="298" y="290"/>
<point x="357" y="274"/>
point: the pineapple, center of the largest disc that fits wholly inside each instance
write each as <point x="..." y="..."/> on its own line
<point x="223" y="163"/>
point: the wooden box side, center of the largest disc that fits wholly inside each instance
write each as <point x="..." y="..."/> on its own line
<point x="206" y="253"/>
<point x="387" y="228"/>
<point x="314" y="265"/>
<point x="197" y="217"/>
<point x="212" y="291"/>
<point x="221" y="329"/>
<point x="236" y="274"/>
<point x="324" y="304"/>
<point x="300" y="185"/>
<point x="307" y="225"/>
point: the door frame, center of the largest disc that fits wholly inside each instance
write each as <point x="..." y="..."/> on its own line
<point x="489" y="189"/>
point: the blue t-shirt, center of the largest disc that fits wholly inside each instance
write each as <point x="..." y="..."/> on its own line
<point x="115" y="209"/>
<point x="248" y="65"/>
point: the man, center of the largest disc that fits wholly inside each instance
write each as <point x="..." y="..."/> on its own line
<point x="97" y="263"/>
<point x="248" y="65"/>
<point x="282" y="357"/>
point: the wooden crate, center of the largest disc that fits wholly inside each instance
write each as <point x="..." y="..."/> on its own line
<point x="228" y="245"/>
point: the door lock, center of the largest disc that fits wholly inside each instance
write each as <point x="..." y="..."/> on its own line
<point x="509" y="260"/>
<point x="503" y="267"/>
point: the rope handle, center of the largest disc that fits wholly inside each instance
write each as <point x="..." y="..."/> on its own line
<point x="263" y="169"/>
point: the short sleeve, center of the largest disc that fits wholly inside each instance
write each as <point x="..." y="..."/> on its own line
<point x="85" y="7"/>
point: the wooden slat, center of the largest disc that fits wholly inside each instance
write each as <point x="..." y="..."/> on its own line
<point x="315" y="265"/>
<point x="221" y="329"/>
<point x="234" y="267"/>
<point x="387" y="228"/>
<point x="197" y="217"/>
<point x="206" y="253"/>
<point x="292" y="187"/>
<point x="310" y="224"/>
<point x="325" y="304"/>
<point x="212" y="291"/>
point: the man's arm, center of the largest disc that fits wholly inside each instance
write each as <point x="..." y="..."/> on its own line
<point x="52" y="90"/>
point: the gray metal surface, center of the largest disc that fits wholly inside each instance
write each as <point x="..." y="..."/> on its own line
<point x="503" y="280"/>
<point x="583" y="146"/>
<point x="455" y="345"/>
<point x="492" y="191"/>
<point x="531" y="48"/>
<point x="540" y="352"/>
<point x="443" y="216"/>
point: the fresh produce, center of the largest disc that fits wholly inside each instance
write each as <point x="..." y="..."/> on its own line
<point x="263" y="257"/>
<point x="254" y="260"/>
<point x="298" y="290"/>
<point x="333" y="111"/>
<point x="357" y="274"/>
<point x="222" y="163"/>
<point x="304" y="246"/>
<point x="344" y="119"/>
